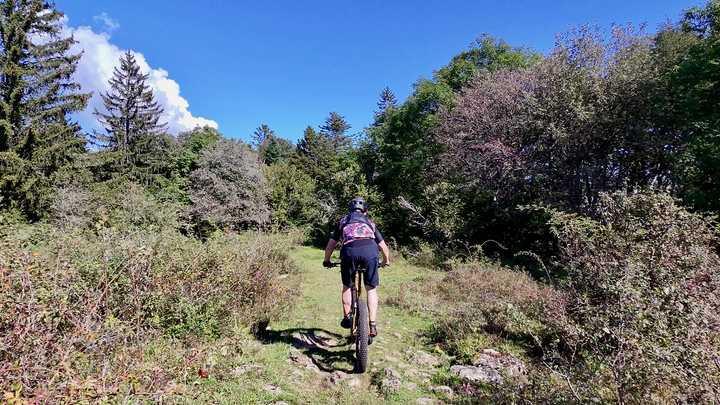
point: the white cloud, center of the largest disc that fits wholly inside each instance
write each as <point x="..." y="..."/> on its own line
<point x="97" y="65"/>
<point x="110" y="24"/>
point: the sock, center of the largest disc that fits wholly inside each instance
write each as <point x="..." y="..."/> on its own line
<point x="372" y="323"/>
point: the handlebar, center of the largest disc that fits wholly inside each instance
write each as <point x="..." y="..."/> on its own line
<point x="331" y="265"/>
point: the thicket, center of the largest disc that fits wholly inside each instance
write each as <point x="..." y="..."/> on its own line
<point x="85" y="302"/>
<point x="636" y="319"/>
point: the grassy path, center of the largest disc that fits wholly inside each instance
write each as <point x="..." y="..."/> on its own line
<point x="308" y="359"/>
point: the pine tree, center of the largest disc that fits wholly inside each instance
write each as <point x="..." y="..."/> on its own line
<point x="334" y="129"/>
<point x="133" y="115"/>
<point x="37" y="94"/>
<point x="386" y="104"/>
<point x="315" y="154"/>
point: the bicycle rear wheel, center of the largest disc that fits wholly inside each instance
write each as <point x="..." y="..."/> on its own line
<point x="361" y="340"/>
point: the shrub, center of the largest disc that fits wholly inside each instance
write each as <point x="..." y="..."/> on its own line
<point x="79" y="308"/>
<point x="643" y="290"/>
<point x="488" y="302"/>
<point x="635" y="319"/>
<point x="228" y="188"/>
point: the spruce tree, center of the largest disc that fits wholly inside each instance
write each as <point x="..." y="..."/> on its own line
<point x="37" y="139"/>
<point x="387" y="103"/>
<point x="132" y="118"/>
<point x="334" y="129"/>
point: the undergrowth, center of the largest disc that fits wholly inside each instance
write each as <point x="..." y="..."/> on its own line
<point x="111" y="307"/>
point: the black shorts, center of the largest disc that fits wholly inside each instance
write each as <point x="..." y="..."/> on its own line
<point x="361" y="253"/>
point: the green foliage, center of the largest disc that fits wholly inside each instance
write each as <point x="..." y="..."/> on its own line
<point x="135" y="139"/>
<point x="228" y="188"/>
<point x="694" y="88"/>
<point x="292" y="198"/>
<point x="272" y="149"/>
<point x="487" y="54"/>
<point x="37" y="95"/>
<point x="643" y="292"/>
<point x="83" y="305"/>
<point x="634" y="320"/>
<point x="402" y="144"/>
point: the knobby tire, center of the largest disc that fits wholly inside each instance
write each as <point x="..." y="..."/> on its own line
<point x="361" y="340"/>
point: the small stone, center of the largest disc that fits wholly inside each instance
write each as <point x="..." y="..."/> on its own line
<point x="281" y="403"/>
<point x="411" y="386"/>
<point x="397" y="335"/>
<point x="425" y="358"/>
<point x="390" y="384"/>
<point x="391" y="372"/>
<point x="391" y="358"/>
<point x="352" y="383"/>
<point x="415" y="373"/>
<point x="273" y="389"/>
<point x="246" y="368"/>
<point x="403" y="365"/>
<point x="443" y="389"/>
<point x="425" y="401"/>
<point x="492" y="352"/>
<point x="337" y="377"/>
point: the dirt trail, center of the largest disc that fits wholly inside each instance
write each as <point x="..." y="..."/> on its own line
<point x="308" y="358"/>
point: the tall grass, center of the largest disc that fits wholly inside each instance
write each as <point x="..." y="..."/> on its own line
<point x="83" y="309"/>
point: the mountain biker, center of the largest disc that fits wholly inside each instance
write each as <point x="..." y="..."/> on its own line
<point x="361" y="240"/>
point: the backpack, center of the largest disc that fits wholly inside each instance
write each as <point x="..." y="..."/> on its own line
<point x="356" y="218"/>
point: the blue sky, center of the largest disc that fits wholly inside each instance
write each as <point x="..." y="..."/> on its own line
<point x="288" y="64"/>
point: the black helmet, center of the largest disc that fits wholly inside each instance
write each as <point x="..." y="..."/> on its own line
<point x="357" y="204"/>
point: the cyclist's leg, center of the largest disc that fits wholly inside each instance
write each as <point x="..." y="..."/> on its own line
<point x="346" y="300"/>
<point x="372" y="302"/>
<point x="371" y="282"/>
<point x="347" y="281"/>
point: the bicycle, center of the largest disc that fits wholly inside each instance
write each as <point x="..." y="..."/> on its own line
<point x="360" y="330"/>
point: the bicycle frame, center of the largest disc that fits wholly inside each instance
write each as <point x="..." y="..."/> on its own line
<point x="357" y="295"/>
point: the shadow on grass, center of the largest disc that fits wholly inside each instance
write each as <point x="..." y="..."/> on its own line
<point x="324" y="348"/>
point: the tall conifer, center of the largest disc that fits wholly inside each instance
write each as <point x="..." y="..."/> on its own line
<point x="133" y="114"/>
<point x="36" y="95"/>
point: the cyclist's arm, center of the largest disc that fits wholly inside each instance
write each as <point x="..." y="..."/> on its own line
<point x="329" y="249"/>
<point x="385" y="252"/>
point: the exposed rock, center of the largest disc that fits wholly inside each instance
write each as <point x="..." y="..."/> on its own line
<point x="390" y="384"/>
<point x="425" y="358"/>
<point x="391" y="358"/>
<point x="273" y="389"/>
<point x="304" y="360"/>
<point x="246" y="368"/>
<point x="397" y="335"/>
<point x="477" y="374"/>
<point x="411" y="386"/>
<point x="403" y="365"/>
<point x="336" y="377"/>
<point x="443" y="389"/>
<point x="353" y="383"/>
<point x="425" y="401"/>
<point x="281" y="403"/>
<point x="391" y="372"/>
<point x="490" y="367"/>
<point x="491" y="352"/>
<point x="415" y="373"/>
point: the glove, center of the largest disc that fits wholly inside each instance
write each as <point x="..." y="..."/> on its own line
<point x="327" y="263"/>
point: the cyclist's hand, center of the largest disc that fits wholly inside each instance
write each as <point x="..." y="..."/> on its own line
<point x="327" y="264"/>
<point x="385" y="264"/>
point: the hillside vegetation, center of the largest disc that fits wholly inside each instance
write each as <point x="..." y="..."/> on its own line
<point x="552" y="220"/>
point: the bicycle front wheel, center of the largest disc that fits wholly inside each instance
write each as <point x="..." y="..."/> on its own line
<point x="361" y="340"/>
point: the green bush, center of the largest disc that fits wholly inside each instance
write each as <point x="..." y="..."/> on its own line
<point x="635" y="319"/>
<point x="643" y="292"/>
<point x="74" y="297"/>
